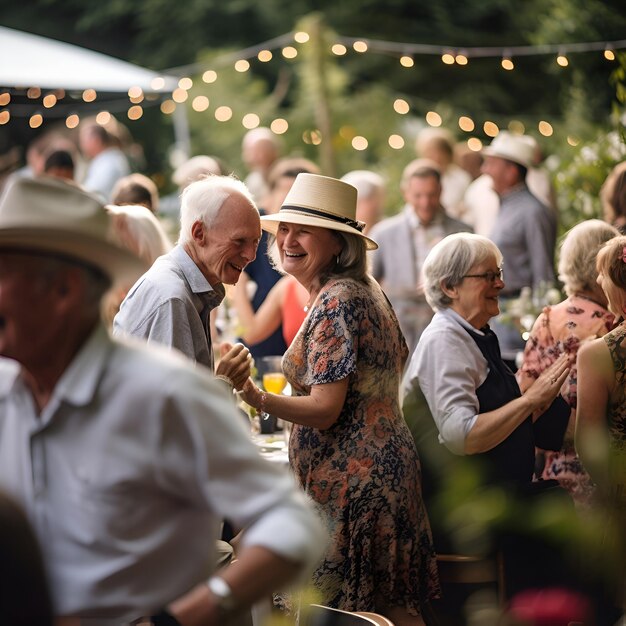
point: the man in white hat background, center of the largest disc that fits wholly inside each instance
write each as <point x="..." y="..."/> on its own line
<point x="481" y="203"/>
<point x="405" y="240"/>
<point x="524" y="229"/>
<point x="124" y="456"/>
<point x="171" y="304"/>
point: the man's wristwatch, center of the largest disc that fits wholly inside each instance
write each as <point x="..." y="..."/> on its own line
<point x="223" y="594"/>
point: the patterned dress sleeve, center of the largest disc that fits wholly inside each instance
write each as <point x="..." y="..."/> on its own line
<point x="333" y="335"/>
<point x="540" y="351"/>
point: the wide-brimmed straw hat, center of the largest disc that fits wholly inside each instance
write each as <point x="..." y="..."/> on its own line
<point x="517" y="148"/>
<point x="315" y="200"/>
<point x="52" y="216"/>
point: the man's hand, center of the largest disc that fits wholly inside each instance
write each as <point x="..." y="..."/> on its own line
<point x="235" y="364"/>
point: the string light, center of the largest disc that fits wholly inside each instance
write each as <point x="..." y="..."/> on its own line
<point x="401" y="106"/>
<point x="360" y="143"/>
<point x="250" y="120"/>
<point x="301" y="37"/>
<point x="103" y="118"/>
<point x="33" y="93"/>
<point x="562" y="60"/>
<point x="5" y="117"/>
<point x="507" y="63"/>
<point x="135" y="92"/>
<point x="49" y="100"/>
<point x="168" y="107"/>
<point x="279" y="126"/>
<point x="137" y="99"/>
<point x="157" y="83"/>
<point x="89" y="95"/>
<point x="545" y="128"/>
<point x="242" y="65"/>
<point x="200" y="103"/>
<point x="433" y="119"/>
<point x="347" y="132"/>
<point x="461" y="59"/>
<point x="396" y="142"/>
<point x="223" y="113"/>
<point x="134" y="113"/>
<point x="407" y="61"/>
<point x="447" y="58"/>
<point x="491" y="129"/>
<point x="72" y="121"/>
<point x="339" y="49"/>
<point x="609" y="55"/>
<point x="210" y="76"/>
<point x="517" y="127"/>
<point x="289" y="52"/>
<point x="185" y="83"/>
<point x="264" y="56"/>
<point x="360" y="46"/>
<point x="5" y="98"/>
<point x="474" y="144"/>
<point x="466" y="124"/>
<point x="573" y="141"/>
<point x="35" y="120"/>
<point x="180" y="95"/>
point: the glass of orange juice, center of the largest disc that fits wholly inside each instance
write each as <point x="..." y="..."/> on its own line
<point x="274" y="382"/>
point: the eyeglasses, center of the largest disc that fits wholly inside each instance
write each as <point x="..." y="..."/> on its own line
<point x="490" y="276"/>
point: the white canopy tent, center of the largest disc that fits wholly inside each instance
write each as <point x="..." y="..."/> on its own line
<point x="28" y="60"/>
<point x="32" y="61"/>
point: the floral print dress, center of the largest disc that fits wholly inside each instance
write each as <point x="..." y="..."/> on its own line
<point x="363" y="472"/>
<point x="561" y="329"/>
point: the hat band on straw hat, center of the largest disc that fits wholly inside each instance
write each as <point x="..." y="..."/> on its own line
<point x="329" y="216"/>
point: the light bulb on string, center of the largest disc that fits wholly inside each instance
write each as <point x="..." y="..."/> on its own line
<point x="339" y="49"/>
<point x="301" y="37"/>
<point x="447" y="58"/>
<point x="562" y="59"/>
<point x="289" y="52"/>
<point x="507" y="63"/>
<point x="407" y="61"/>
<point x="609" y="54"/>
<point x="360" y="46"/>
<point x="461" y="58"/>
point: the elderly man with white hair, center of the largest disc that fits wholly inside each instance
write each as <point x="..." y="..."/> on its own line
<point x="125" y="456"/>
<point x="171" y="304"/>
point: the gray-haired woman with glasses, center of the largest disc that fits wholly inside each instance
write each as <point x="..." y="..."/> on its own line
<point x="457" y="389"/>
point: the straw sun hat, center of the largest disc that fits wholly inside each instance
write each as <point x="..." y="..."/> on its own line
<point x="316" y="200"/>
<point x="49" y="215"/>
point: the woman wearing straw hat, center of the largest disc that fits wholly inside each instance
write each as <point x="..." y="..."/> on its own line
<point x="350" y="447"/>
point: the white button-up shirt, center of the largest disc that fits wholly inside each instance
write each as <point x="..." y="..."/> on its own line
<point x="127" y="472"/>
<point x="448" y="367"/>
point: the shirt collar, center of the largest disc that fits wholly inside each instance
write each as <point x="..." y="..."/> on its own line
<point x="414" y="221"/>
<point x="452" y="314"/>
<point x="195" y="278"/>
<point x="78" y="383"/>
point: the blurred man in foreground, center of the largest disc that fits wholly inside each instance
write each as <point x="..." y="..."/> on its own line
<point x="125" y="456"/>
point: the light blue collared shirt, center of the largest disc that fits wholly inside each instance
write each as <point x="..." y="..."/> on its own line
<point x="171" y="305"/>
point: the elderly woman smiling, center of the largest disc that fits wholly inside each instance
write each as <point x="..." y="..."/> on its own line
<point x="459" y="392"/>
<point x="350" y="447"/>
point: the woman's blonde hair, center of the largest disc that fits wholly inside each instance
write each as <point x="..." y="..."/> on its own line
<point x="578" y="252"/>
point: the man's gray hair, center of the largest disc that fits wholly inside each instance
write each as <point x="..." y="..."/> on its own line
<point x="450" y="260"/>
<point x="367" y="183"/>
<point x="203" y="199"/>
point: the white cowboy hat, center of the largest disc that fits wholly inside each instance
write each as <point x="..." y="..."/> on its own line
<point x="50" y="215"/>
<point x="322" y="201"/>
<point x="517" y="148"/>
